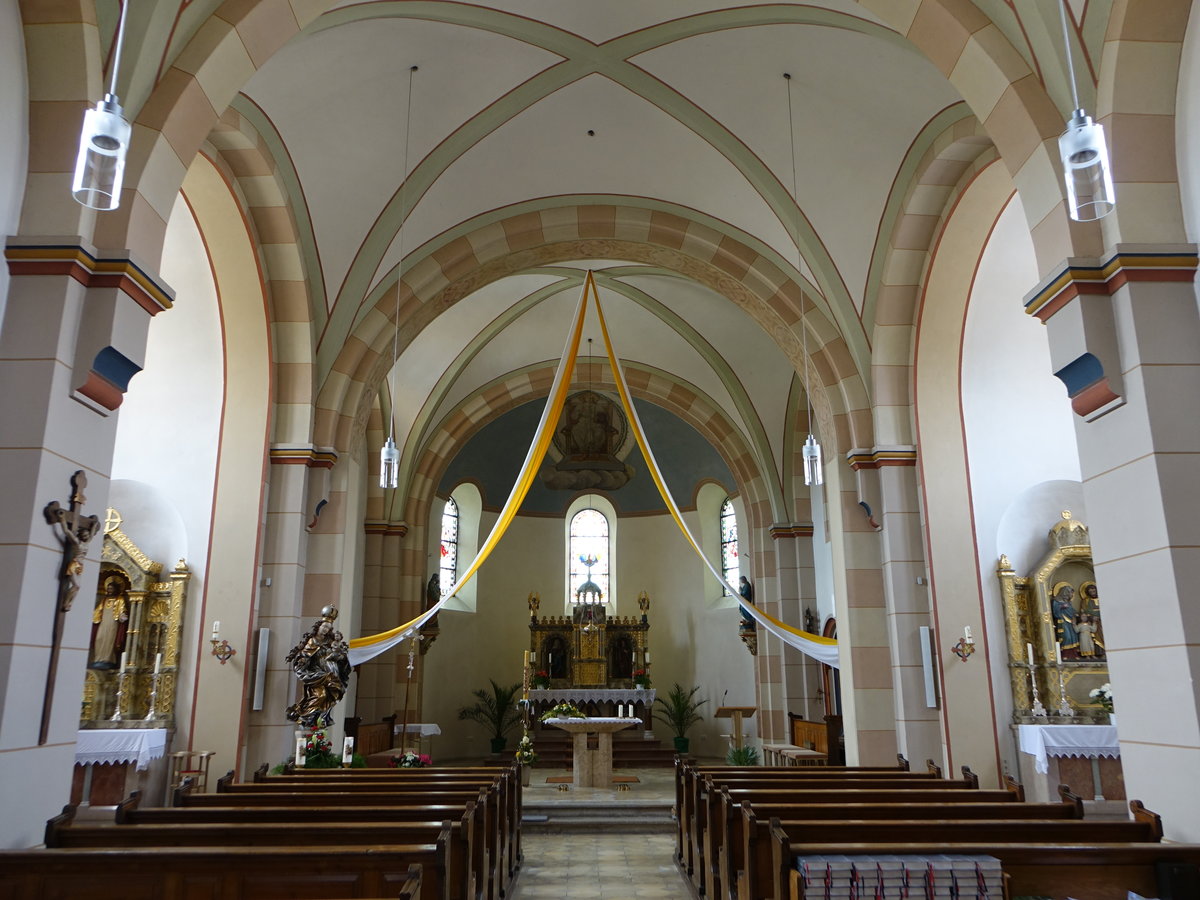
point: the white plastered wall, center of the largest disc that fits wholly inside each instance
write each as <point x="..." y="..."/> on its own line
<point x="14" y="139"/>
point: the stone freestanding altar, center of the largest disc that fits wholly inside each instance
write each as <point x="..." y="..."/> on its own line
<point x="593" y="747"/>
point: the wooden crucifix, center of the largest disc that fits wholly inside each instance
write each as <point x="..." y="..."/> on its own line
<point x="74" y="530"/>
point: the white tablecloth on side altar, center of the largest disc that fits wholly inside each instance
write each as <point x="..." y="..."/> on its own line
<point x="424" y="729"/>
<point x="120" y="745"/>
<point x="1042" y="741"/>
<point x="594" y="695"/>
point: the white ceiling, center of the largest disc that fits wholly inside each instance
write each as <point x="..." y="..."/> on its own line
<point x="501" y="109"/>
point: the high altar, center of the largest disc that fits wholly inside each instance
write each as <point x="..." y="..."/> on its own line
<point x="591" y="659"/>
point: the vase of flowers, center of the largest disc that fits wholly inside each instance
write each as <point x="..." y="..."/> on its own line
<point x="641" y="679"/>
<point x="410" y="760"/>
<point x="541" y="679"/>
<point x="526" y="756"/>
<point x="563" y="711"/>
<point x="318" y="752"/>
<point x="1103" y="695"/>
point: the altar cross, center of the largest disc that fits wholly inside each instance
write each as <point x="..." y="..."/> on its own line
<point x="74" y="531"/>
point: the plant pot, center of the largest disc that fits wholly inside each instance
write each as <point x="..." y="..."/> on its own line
<point x="682" y="744"/>
<point x="525" y="772"/>
<point x="498" y="744"/>
<point x="1112" y="718"/>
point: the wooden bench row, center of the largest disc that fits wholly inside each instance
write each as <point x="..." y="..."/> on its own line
<point x="748" y="828"/>
<point x="316" y="833"/>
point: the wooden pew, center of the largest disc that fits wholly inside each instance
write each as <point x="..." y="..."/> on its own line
<point x="728" y="843"/>
<point x="505" y="780"/>
<point x="1097" y="871"/>
<point x="797" y="787"/>
<point x="757" y="877"/>
<point x="220" y="873"/>
<point x="497" y="830"/>
<point x="465" y="862"/>
<point x="689" y="776"/>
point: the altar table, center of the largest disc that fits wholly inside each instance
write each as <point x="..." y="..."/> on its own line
<point x="120" y="745"/>
<point x="1090" y="742"/>
<point x="597" y="702"/>
<point x="593" y="747"/>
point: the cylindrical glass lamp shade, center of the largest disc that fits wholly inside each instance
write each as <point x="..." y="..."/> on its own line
<point x="389" y="465"/>
<point x="812" y="462"/>
<point x="100" y="165"/>
<point x="1086" y="170"/>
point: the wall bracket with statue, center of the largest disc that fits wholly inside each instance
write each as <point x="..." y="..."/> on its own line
<point x="1050" y="614"/>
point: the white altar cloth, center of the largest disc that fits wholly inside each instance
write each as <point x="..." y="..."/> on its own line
<point x="120" y="745"/>
<point x="424" y="729"/>
<point x="593" y="695"/>
<point x="1042" y="741"/>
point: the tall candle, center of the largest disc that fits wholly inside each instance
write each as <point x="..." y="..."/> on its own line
<point x="299" y="749"/>
<point x="216" y="629"/>
<point x="967" y="634"/>
<point x="158" y="663"/>
<point x="348" y="750"/>
<point x="1029" y="647"/>
<point x="647" y="657"/>
<point x="124" y="660"/>
<point x="1058" y="652"/>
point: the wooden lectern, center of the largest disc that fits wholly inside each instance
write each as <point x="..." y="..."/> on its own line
<point x="737" y="713"/>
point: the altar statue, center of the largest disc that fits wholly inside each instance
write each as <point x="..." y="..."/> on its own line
<point x="322" y="664"/>
<point x="110" y="625"/>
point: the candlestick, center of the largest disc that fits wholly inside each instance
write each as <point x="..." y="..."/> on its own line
<point x="124" y="660"/>
<point x="152" y="712"/>
<point x="116" y="716"/>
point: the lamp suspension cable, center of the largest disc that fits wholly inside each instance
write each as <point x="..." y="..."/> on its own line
<point x="1084" y="152"/>
<point x="813" y="470"/>
<point x="389" y="456"/>
<point x="104" y="141"/>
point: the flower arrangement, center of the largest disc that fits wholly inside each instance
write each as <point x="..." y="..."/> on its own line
<point x="318" y="752"/>
<point x="563" y="711"/>
<point x="410" y="760"/>
<point x="1104" y="696"/>
<point x="641" y="678"/>
<point x="526" y="755"/>
<point x="541" y="679"/>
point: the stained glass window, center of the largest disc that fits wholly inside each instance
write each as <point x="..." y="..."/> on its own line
<point x="589" y="540"/>
<point x="448" y="565"/>
<point x="730" y="567"/>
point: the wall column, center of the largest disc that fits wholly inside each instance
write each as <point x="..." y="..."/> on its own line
<point x="1125" y="339"/>
<point x="74" y="333"/>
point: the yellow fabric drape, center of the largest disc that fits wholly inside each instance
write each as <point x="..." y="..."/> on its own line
<point x="365" y="648"/>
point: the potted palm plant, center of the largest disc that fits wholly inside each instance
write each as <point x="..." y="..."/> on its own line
<point x="679" y="713"/>
<point x="495" y="710"/>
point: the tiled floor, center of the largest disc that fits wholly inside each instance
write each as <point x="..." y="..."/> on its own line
<point x="604" y="865"/>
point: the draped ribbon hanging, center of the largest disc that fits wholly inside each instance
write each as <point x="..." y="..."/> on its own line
<point x="362" y="649"/>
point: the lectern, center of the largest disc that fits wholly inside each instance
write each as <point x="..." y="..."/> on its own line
<point x="737" y="713"/>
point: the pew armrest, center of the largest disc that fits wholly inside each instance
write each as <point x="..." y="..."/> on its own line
<point x="1071" y="798"/>
<point x="901" y="762"/>
<point x="970" y="777"/>
<point x="933" y="768"/>
<point x="1015" y="787"/>
<point x="126" y="806"/>
<point x="59" y="822"/>
<point x="1141" y="814"/>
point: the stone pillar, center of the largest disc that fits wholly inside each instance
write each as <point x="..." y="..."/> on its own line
<point x="867" y="702"/>
<point x="801" y="674"/>
<point x="74" y="333"/>
<point x="906" y="595"/>
<point x="1125" y="340"/>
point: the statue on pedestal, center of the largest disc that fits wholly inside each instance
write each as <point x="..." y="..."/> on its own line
<point x="322" y="664"/>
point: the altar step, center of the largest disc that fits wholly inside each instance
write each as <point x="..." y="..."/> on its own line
<point x="585" y="816"/>
<point x="630" y="750"/>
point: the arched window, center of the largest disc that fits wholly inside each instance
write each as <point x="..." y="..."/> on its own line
<point x="730" y="566"/>
<point x="448" y="551"/>
<point x="589" y="540"/>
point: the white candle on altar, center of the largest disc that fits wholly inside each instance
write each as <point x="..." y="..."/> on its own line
<point x="299" y="749"/>
<point x="157" y="663"/>
<point x="647" y="657"/>
<point x="967" y="634"/>
<point x="1029" y="647"/>
<point x="1058" y="652"/>
<point x="124" y="660"/>
<point x="348" y="751"/>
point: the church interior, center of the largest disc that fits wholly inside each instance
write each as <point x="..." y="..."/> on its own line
<point x="868" y="418"/>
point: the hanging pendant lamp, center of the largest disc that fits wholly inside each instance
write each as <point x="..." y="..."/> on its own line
<point x="389" y="454"/>
<point x="811" y="454"/>
<point x="1084" y="154"/>
<point x="103" y="143"/>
